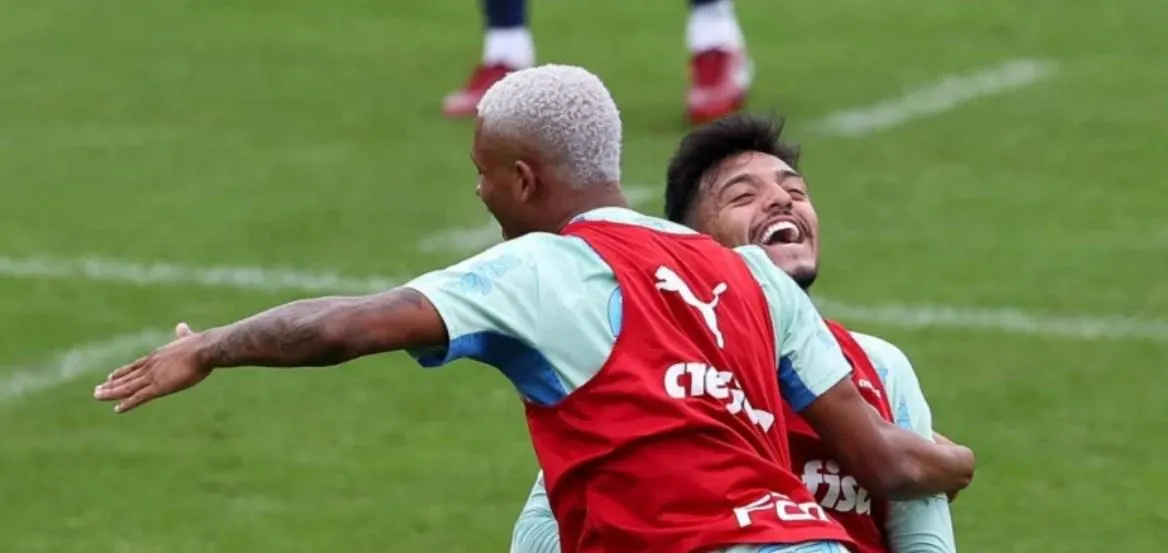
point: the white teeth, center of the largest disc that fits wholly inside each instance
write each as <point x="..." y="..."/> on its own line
<point x="768" y="236"/>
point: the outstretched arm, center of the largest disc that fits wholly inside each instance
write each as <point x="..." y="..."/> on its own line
<point x="325" y="331"/>
<point x="438" y="317"/>
<point x="306" y="333"/>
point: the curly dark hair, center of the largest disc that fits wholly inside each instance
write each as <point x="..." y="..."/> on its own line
<point x="705" y="147"/>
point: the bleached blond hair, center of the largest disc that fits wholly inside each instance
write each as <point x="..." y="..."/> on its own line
<point x="566" y="112"/>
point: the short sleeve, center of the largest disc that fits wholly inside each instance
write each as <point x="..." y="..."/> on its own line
<point x="536" y="530"/>
<point x="492" y="309"/>
<point x="921" y="525"/>
<point x="909" y="408"/>
<point x="808" y="358"/>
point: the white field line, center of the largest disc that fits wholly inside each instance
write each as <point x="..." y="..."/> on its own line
<point x="145" y="274"/>
<point x="947" y="94"/>
<point x="462" y="239"/>
<point x="1008" y="321"/>
<point x="943" y="95"/>
<point x="77" y="361"/>
<point x="476" y="238"/>
<point x="639" y="194"/>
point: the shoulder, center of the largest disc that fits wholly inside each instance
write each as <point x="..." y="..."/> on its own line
<point x="520" y="256"/>
<point x="529" y="248"/>
<point x="553" y="250"/>
<point x="765" y="271"/>
<point x="631" y="217"/>
<point x="889" y="360"/>
<point x="753" y="254"/>
<point x="537" y="274"/>
<point x="900" y="380"/>
<point x="789" y="304"/>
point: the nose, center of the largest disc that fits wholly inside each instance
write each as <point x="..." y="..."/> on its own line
<point x="779" y="200"/>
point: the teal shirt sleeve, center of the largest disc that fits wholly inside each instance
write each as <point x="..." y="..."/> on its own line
<point x="922" y="525"/>
<point x="493" y="292"/>
<point x="494" y="309"/>
<point x="536" y="530"/>
<point x="808" y="358"/>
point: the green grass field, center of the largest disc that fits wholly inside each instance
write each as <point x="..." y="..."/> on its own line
<point x="305" y="135"/>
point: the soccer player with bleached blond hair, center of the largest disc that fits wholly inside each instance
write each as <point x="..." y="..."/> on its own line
<point x="737" y="180"/>
<point x="647" y="355"/>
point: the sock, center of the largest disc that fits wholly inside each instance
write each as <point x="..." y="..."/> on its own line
<point x="511" y="47"/>
<point x="508" y="41"/>
<point x="713" y="24"/>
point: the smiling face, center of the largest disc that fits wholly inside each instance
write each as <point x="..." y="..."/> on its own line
<point x="757" y="198"/>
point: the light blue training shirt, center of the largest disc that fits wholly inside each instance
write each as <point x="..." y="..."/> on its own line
<point x="545" y="310"/>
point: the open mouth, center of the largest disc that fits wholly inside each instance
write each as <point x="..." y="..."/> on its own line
<point x="781" y="232"/>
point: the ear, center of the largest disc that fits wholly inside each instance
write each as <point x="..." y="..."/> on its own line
<point x="527" y="181"/>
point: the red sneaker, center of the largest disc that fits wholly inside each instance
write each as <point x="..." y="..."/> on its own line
<point x="465" y="101"/>
<point x="719" y="83"/>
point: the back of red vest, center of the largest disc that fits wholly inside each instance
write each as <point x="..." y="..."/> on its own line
<point x="836" y="490"/>
<point x="678" y="444"/>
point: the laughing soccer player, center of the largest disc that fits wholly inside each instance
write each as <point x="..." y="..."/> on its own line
<point x="736" y="180"/>
<point x="690" y="385"/>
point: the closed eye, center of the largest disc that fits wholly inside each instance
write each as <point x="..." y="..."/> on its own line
<point x="738" y="190"/>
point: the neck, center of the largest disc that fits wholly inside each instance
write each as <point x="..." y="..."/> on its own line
<point x="584" y="199"/>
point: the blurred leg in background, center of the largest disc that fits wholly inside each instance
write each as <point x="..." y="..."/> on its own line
<point x="507" y="46"/>
<point x="720" y="70"/>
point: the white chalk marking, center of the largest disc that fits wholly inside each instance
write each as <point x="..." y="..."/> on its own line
<point x="1008" y="321"/>
<point x="944" y="95"/>
<point x="77" y="361"/>
<point x="142" y="274"/>
<point x="641" y="194"/>
<point x="463" y="239"/>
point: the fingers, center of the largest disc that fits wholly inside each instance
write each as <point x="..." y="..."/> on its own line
<point x="130" y="390"/>
<point x="128" y="373"/>
<point x="127" y="370"/>
<point x="124" y="382"/>
<point x="142" y="396"/>
<point x="163" y="372"/>
<point x="122" y="388"/>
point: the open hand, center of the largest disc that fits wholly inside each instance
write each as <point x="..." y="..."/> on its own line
<point x="168" y="369"/>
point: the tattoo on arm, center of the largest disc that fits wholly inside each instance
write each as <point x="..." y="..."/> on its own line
<point x="326" y="331"/>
